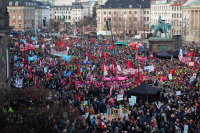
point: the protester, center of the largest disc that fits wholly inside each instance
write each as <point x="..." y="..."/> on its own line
<point x="87" y="74"/>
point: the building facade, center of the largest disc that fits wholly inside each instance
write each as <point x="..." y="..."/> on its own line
<point x="78" y="12"/>
<point x="22" y="14"/>
<point x="191" y="21"/>
<point x="66" y="10"/>
<point x="176" y="17"/>
<point x="4" y="47"/>
<point x="130" y="17"/>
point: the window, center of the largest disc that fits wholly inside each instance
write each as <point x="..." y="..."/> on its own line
<point x="147" y="25"/>
<point x="135" y="18"/>
<point x="147" y="12"/>
<point x="172" y="15"/>
<point x="144" y="18"/>
<point x="114" y="13"/>
<point x="19" y="11"/>
<point x="144" y="12"/>
<point x="104" y="19"/>
<point x="10" y="3"/>
<point x="172" y="22"/>
<point x="120" y="19"/>
<point x="180" y="23"/>
<point x="104" y="13"/>
<point x="180" y="15"/>
<point x="13" y="11"/>
<point x="188" y="11"/>
<point x="177" y="15"/>
<point x="180" y="8"/>
<point x="130" y="6"/>
<point x="69" y="8"/>
<point x="125" y="12"/>
<point x="174" y="8"/>
<point x="16" y="3"/>
<point x="135" y="12"/>
<point x="13" y="17"/>
<point x="55" y="17"/>
<point x="109" y="13"/>
<point x="20" y="25"/>
<point x="147" y="18"/>
<point x="110" y="5"/>
<point x="130" y="12"/>
<point x="20" y="17"/>
<point x="13" y="25"/>
<point x="177" y="23"/>
<point x="120" y="5"/>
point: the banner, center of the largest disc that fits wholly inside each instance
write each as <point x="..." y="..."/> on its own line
<point x="65" y="57"/>
<point x="170" y="76"/>
<point x="180" y="55"/>
<point x="56" y="53"/>
<point x="126" y="71"/>
<point x="26" y="48"/>
<point x="191" y="63"/>
<point x="140" y="58"/>
<point x="32" y="58"/>
<point x="119" y="97"/>
<point x="149" y="68"/>
<point x="16" y="44"/>
<point x="33" y="38"/>
<point x="185" y="60"/>
<point x="132" y="100"/>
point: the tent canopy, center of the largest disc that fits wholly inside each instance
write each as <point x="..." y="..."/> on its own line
<point x="163" y="54"/>
<point x="144" y="92"/>
<point x="175" y="53"/>
<point x="144" y="89"/>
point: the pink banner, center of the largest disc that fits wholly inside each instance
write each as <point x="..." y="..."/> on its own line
<point x="185" y="60"/>
<point x="140" y="58"/>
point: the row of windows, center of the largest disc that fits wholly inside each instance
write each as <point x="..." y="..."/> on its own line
<point x="130" y="12"/>
<point x="122" y="26"/>
<point x="176" y="8"/>
<point x="160" y="8"/>
<point x="161" y="14"/>
<point x="20" y="17"/>
<point x="16" y="4"/>
<point x="65" y="17"/>
<point x="135" y="19"/>
<point x="58" y="8"/>
<point x="19" y="11"/>
<point x="174" y="15"/>
<point x="20" y="25"/>
<point x="176" y="23"/>
<point x="62" y="12"/>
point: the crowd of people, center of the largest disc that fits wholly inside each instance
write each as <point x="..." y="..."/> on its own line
<point x="83" y="73"/>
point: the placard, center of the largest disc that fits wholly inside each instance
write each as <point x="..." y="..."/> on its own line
<point x="149" y="68"/>
<point x="119" y="97"/>
<point x="132" y="100"/>
<point x="185" y="129"/>
<point x="178" y="93"/>
<point x="195" y="75"/>
<point x="45" y="69"/>
<point x="191" y="63"/>
<point x="18" y="83"/>
<point x="170" y="76"/>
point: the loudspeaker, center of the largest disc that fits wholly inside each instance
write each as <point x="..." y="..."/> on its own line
<point x="176" y="42"/>
<point x="107" y="25"/>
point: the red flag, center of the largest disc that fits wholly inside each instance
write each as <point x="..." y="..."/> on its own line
<point x="135" y="82"/>
<point x="101" y="124"/>
<point x="193" y="54"/>
<point x="111" y="47"/>
<point x="102" y="69"/>
<point x="88" y="55"/>
<point x="122" y="74"/>
<point x="111" y="90"/>
<point x="47" y="73"/>
<point x="138" y="73"/>
<point x="55" y="44"/>
<point x="25" y="22"/>
<point x="78" y="70"/>
<point x="92" y="39"/>
<point x="173" y="72"/>
<point x="188" y="53"/>
<point x="169" y="71"/>
<point x="142" y="79"/>
<point x="128" y="64"/>
<point x="79" y="41"/>
<point x="112" y="68"/>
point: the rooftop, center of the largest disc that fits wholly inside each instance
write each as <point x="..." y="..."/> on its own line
<point x="127" y="4"/>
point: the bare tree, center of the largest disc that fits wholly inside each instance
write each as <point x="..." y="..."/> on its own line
<point x="84" y="22"/>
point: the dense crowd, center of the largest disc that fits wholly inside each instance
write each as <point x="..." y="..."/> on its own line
<point x="77" y="80"/>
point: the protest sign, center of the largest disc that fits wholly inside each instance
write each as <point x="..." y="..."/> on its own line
<point x="178" y="93"/>
<point x="170" y="76"/>
<point x="185" y="129"/>
<point x="149" y="68"/>
<point x="194" y="75"/>
<point x="45" y="69"/>
<point x="132" y="100"/>
<point x="191" y="63"/>
<point x="18" y="83"/>
<point x="119" y="97"/>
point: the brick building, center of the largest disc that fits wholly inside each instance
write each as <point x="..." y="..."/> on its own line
<point x="21" y="14"/>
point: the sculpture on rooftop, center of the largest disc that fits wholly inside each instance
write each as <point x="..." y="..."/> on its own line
<point x="162" y="27"/>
